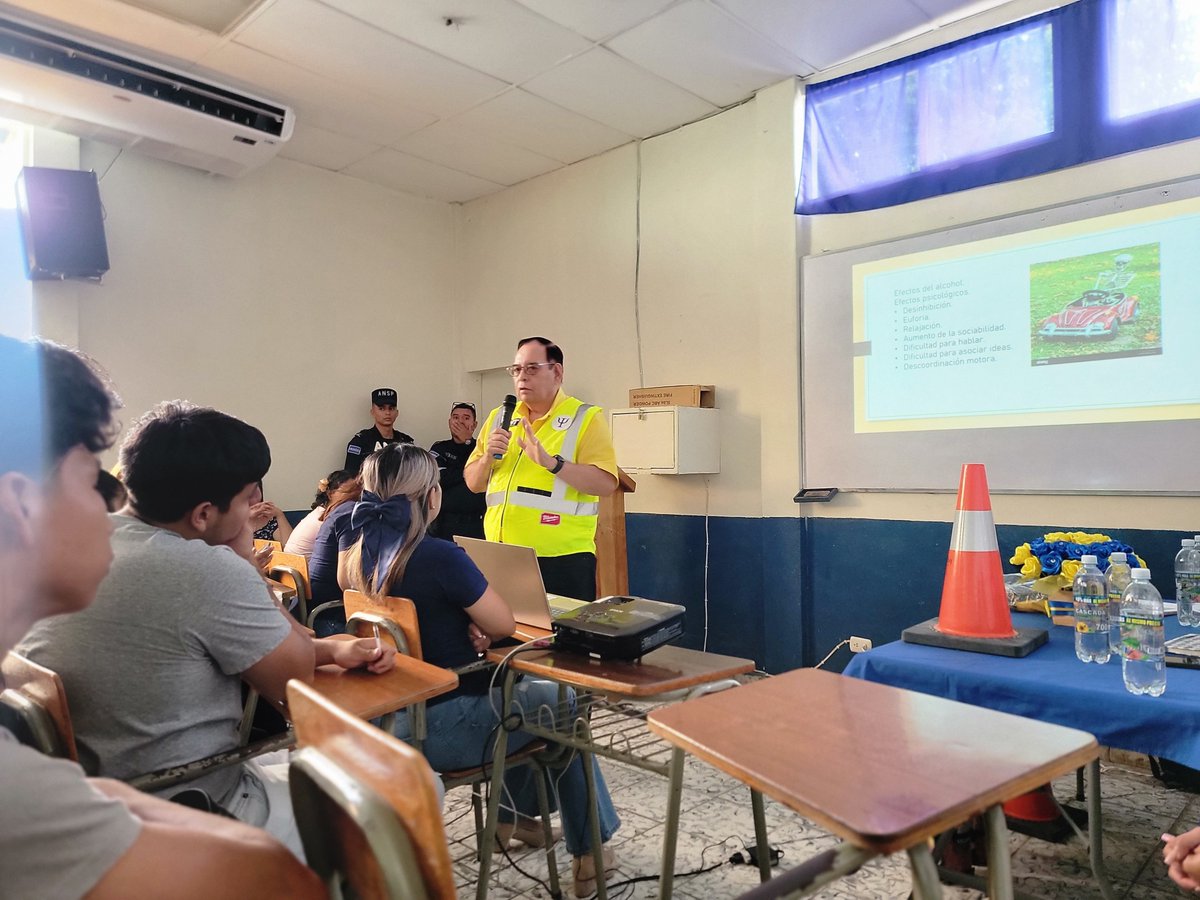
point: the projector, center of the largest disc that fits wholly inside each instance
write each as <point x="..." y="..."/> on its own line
<point x="618" y="627"/>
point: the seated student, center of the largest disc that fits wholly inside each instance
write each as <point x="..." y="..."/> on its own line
<point x="322" y="568"/>
<point x="458" y="616"/>
<point x="154" y="668"/>
<point x="268" y="521"/>
<point x="332" y="490"/>
<point x="111" y="489"/>
<point x="63" y="835"/>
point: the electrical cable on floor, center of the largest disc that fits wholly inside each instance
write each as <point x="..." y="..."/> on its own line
<point x="838" y="647"/>
<point x="629" y="882"/>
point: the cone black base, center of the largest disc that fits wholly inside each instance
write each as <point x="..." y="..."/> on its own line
<point x="1056" y="831"/>
<point x="1024" y="642"/>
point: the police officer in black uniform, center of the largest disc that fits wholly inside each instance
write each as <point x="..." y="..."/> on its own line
<point x="379" y="435"/>
<point x="462" y="509"/>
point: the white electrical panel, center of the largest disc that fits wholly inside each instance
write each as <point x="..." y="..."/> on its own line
<point x="667" y="440"/>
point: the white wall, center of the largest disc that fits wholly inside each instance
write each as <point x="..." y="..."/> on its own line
<point x="716" y="292"/>
<point x="282" y="297"/>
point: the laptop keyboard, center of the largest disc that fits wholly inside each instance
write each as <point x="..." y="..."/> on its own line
<point x="560" y="605"/>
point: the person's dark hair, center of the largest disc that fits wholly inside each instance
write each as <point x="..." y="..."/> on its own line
<point x="178" y="456"/>
<point x="330" y="483"/>
<point x="469" y="407"/>
<point x="111" y="489"/>
<point x="51" y="399"/>
<point x="553" y="351"/>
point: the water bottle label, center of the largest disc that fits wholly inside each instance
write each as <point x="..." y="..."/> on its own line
<point x="1094" y="599"/>
<point x="1136" y="619"/>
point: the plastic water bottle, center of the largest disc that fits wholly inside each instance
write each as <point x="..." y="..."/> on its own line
<point x="1118" y="576"/>
<point x="1187" y="583"/>
<point x="1142" y="663"/>
<point x="1091" y="612"/>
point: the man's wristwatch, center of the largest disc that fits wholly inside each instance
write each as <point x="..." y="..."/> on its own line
<point x="559" y="462"/>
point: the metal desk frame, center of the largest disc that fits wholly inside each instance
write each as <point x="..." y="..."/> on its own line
<point x="596" y="727"/>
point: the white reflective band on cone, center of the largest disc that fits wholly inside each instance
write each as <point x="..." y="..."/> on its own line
<point x="974" y="531"/>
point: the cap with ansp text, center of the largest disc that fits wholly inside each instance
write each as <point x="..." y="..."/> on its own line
<point x="383" y="397"/>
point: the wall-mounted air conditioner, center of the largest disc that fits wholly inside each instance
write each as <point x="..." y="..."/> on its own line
<point x="80" y="87"/>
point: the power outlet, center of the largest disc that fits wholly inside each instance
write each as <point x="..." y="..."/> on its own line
<point x="859" y="644"/>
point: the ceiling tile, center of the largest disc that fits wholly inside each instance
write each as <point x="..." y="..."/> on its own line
<point x="825" y="32"/>
<point x="952" y="10"/>
<point x="211" y="15"/>
<point x="499" y="37"/>
<point x="124" y="27"/>
<point x="597" y="19"/>
<point x="352" y="52"/>
<point x="325" y="149"/>
<point x="348" y="110"/>
<point x="536" y="124"/>
<point x="602" y="86"/>
<point x="416" y="176"/>
<point x="467" y="150"/>
<point x="702" y="48"/>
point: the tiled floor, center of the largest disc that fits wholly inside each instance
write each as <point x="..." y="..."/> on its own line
<point x="716" y="823"/>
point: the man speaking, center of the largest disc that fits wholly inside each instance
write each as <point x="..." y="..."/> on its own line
<point x="544" y="478"/>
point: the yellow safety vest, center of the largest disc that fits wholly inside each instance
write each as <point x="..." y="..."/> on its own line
<point x="527" y="505"/>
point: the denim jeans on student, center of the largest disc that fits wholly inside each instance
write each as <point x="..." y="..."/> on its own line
<point x="461" y="735"/>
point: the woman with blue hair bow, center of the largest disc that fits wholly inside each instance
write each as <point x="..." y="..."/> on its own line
<point x="459" y="615"/>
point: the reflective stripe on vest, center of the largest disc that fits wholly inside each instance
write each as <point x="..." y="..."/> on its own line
<point x="557" y="502"/>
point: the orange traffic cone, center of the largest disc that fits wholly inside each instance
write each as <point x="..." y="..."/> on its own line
<point x="1036" y="814"/>
<point x="974" y="602"/>
<point x="974" y="613"/>
<point x="1036" y="806"/>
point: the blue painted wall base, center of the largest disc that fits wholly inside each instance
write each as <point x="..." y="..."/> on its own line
<point x="785" y="591"/>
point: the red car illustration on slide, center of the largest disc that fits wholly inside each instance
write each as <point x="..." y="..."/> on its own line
<point x="1100" y="312"/>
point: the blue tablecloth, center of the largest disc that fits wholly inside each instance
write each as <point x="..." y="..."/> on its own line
<point x="1052" y="685"/>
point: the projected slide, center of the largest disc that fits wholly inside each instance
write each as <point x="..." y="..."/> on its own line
<point x="1092" y="321"/>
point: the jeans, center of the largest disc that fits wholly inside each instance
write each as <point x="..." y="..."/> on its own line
<point x="461" y="735"/>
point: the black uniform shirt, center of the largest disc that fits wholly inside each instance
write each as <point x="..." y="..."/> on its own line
<point x="462" y="509"/>
<point x="367" y="442"/>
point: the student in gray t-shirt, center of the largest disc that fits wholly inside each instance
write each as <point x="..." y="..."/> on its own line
<point x="154" y="668"/>
<point x="63" y="835"/>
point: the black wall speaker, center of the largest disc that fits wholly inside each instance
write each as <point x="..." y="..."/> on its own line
<point x="62" y="223"/>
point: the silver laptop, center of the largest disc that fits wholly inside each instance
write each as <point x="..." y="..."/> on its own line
<point x="513" y="571"/>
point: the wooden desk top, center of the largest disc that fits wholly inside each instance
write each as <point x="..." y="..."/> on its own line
<point x="525" y="632"/>
<point x="882" y="767"/>
<point x="366" y="695"/>
<point x="658" y="672"/>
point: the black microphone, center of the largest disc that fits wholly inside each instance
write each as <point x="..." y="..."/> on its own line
<point x="510" y="404"/>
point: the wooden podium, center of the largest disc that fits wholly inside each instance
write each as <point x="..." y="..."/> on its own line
<point x="612" y="561"/>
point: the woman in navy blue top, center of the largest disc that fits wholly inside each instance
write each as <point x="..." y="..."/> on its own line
<point x="458" y="616"/>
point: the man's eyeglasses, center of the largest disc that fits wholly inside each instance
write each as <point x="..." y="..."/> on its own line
<point x="464" y="404"/>
<point x="528" y="368"/>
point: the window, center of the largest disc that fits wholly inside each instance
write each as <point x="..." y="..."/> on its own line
<point x="1153" y="56"/>
<point x="1091" y="79"/>
<point x="992" y="95"/>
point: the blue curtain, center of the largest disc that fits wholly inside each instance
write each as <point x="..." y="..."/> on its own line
<point x="1086" y="81"/>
